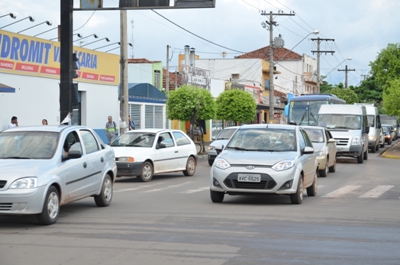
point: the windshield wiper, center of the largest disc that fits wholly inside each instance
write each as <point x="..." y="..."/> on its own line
<point x="15" y="157"/>
<point x="267" y="150"/>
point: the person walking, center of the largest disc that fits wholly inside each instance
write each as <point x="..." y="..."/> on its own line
<point x="131" y="123"/>
<point x="111" y="130"/>
<point x="14" y="122"/>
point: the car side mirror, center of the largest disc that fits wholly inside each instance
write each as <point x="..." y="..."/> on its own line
<point x="366" y="129"/>
<point x="73" y="154"/>
<point x="308" y="150"/>
<point x="160" y="146"/>
<point x="213" y="138"/>
<point x="332" y="140"/>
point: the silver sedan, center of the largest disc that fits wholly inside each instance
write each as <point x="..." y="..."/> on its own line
<point x="265" y="159"/>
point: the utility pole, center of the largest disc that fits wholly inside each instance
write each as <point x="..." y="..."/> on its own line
<point x="318" y="51"/>
<point x="124" y="94"/>
<point x="167" y="73"/>
<point x="271" y="24"/>
<point x="346" y="74"/>
<point x="364" y="77"/>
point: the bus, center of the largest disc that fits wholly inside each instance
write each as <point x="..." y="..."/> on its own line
<point x="303" y="109"/>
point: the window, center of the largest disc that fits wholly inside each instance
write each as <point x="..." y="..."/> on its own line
<point x="235" y="76"/>
<point x="181" y="139"/>
<point x="89" y="141"/>
<point x="157" y="79"/>
<point x="166" y="140"/>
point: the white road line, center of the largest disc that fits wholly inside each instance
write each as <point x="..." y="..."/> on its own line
<point x="167" y="187"/>
<point x="140" y="187"/>
<point x="342" y="191"/>
<point x="377" y="191"/>
<point x="196" y="190"/>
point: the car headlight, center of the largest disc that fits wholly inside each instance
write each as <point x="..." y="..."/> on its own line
<point x="211" y="147"/>
<point x="24" y="183"/>
<point x="221" y="163"/>
<point x="125" y="159"/>
<point x="283" y="165"/>
<point x="356" y="141"/>
<point x="372" y="137"/>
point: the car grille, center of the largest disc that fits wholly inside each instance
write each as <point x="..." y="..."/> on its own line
<point x="342" y="141"/>
<point x="266" y="183"/>
<point x="5" y="206"/>
<point x="2" y="183"/>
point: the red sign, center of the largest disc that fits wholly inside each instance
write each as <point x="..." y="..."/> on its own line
<point x="107" y="78"/>
<point x="90" y="76"/>
<point x="50" y="70"/>
<point x="6" y="65"/>
<point x="27" y="67"/>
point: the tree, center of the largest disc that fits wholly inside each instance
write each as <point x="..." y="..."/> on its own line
<point x="346" y="94"/>
<point x="391" y="98"/>
<point x="386" y="67"/>
<point x="369" y="91"/>
<point x="325" y="87"/>
<point x="236" y="105"/>
<point x="190" y="103"/>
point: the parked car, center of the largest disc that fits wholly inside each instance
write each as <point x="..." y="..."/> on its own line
<point x="324" y="147"/>
<point x="265" y="159"/>
<point x="389" y="132"/>
<point x="143" y="153"/>
<point x="218" y="142"/>
<point x="44" y="167"/>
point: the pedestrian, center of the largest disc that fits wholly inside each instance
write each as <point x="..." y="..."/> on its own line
<point x="44" y="122"/>
<point x="14" y="122"/>
<point x="111" y="130"/>
<point x="131" y="123"/>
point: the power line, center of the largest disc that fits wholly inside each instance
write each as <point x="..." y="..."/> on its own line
<point x="86" y="21"/>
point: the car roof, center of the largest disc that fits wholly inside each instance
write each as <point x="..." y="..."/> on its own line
<point x="273" y="126"/>
<point x="153" y="130"/>
<point x="45" y="128"/>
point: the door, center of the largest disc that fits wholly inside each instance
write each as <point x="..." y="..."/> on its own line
<point x="165" y="153"/>
<point x="308" y="160"/>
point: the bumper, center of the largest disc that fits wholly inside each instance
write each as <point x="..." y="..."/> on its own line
<point x="129" y="169"/>
<point x="372" y="144"/>
<point x="22" y="201"/>
<point x="353" y="150"/>
<point x="272" y="181"/>
<point x="321" y="162"/>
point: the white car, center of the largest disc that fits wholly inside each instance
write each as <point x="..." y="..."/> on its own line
<point x="265" y="159"/>
<point x="324" y="147"/>
<point x="143" y="153"/>
<point x="44" y="167"/>
<point x="218" y="142"/>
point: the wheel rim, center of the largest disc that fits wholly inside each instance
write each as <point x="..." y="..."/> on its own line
<point x="190" y="166"/>
<point x="316" y="182"/>
<point x="147" y="172"/>
<point x="326" y="168"/>
<point x="53" y="205"/>
<point x="301" y="189"/>
<point x="107" y="189"/>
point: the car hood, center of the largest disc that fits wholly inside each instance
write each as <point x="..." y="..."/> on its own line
<point x="256" y="157"/>
<point x="135" y="152"/>
<point x="12" y="169"/>
<point x="318" y="146"/>
<point x="219" y="143"/>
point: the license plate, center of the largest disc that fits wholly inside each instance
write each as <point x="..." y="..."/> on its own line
<point x="249" y="177"/>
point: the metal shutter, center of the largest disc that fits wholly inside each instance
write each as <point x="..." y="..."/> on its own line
<point x="134" y="111"/>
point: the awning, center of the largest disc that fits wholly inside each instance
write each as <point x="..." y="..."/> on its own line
<point x="6" y="89"/>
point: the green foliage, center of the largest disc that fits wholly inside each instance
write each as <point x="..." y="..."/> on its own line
<point x="386" y="67"/>
<point x="190" y="103"/>
<point x="236" y="105"/>
<point x="325" y="87"/>
<point x="391" y="98"/>
<point x="346" y="94"/>
<point x="369" y="91"/>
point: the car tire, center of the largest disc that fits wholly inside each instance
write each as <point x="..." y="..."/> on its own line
<point x="373" y="149"/>
<point x="297" y="198"/>
<point x="51" y="207"/>
<point x="383" y="144"/>
<point x="190" y="167"/>
<point x="360" y="159"/>
<point x="146" y="174"/>
<point x="312" y="190"/>
<point x="377" y="147"/>
<point x="366" y="155"/>
<point x="105" y="196"/>
<point x="333" y="167"/>
<point x="323" y="173"/>
<point x="216" y="196"/>
<point x="210" y="162"/>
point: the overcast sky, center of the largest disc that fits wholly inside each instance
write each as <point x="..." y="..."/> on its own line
<point x="360" y="28"/>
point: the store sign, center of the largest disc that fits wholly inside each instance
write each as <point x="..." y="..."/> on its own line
<point x="20" y="54"/>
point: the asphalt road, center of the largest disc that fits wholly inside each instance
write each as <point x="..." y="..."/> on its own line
<point x="354" y="219"/>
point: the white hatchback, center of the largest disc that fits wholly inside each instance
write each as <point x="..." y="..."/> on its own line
<point x="143" y="153"/>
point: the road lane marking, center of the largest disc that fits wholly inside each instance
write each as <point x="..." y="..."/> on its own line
<point x="377" y="191"/>
<point x="197" y="190"/>
<point x="342" y="191"/>
<point x="167" y="187"/>
<point x="139" y="187"/>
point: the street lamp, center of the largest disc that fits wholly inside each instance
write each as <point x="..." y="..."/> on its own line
<point x="77" y="34"/>
<point x="31" y="19"/>
<point x="45" y="32"/>
<point x="107" y="45"/>
<point x="349" y="58"/>
<point x="9" y="14"/>
<point x="130" y="44"/>
<point x="95" y="36"/>
<point x="105" y="38"/>
<point x="47" y="22"/>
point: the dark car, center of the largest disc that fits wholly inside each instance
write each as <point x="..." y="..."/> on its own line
<point x="388" y="133"/>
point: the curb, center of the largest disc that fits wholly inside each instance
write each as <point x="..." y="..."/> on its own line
<point x="387" y="155"/>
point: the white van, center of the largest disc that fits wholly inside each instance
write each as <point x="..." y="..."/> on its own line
<point x="374" y="123"/>
<point x="348" y="124"/>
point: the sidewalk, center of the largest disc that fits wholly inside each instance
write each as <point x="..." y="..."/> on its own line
<point x="393" y="151"/>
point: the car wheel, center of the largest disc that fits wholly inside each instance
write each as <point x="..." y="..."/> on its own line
<point x="147" y="172"/>
<point x="390" y="142"/>
<point x="360" y="159"/>
<point x="373" y="149"/>
<point x="51" y="207"/>
<point x="366" y="155"/>
<point x="333" y="167"/>
<point x="383" y="144"/>
<point x="297" y="198"/>
<point x="190" y="167"/>
<point x="312" y="190"/>
<point x="324" y="172"/>
<point x="105" y="196"/>
<point x="210" y="162"/>
<point x="216" y="196"/>
<point x="377" y="147"/>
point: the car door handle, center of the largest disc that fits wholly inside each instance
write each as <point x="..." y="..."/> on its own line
<point x="176" y="151"/>
<point x="84" y="165"/>
<point x="102" y="160"/>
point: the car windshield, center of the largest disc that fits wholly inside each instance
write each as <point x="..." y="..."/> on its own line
<point x="340" y="121"/>
<point x="315" y="135"/>
<point x="136" y="139"/>
<point x="28" y="145"/>
<point x="263" y="139"/>
<point x="226" y="134"/>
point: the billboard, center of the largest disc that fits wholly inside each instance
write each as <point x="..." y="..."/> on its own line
<point x="25" y="55"/>
<point x="196" y="76"/>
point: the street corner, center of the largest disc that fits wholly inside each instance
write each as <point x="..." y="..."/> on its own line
<point x="392" y="152"/>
